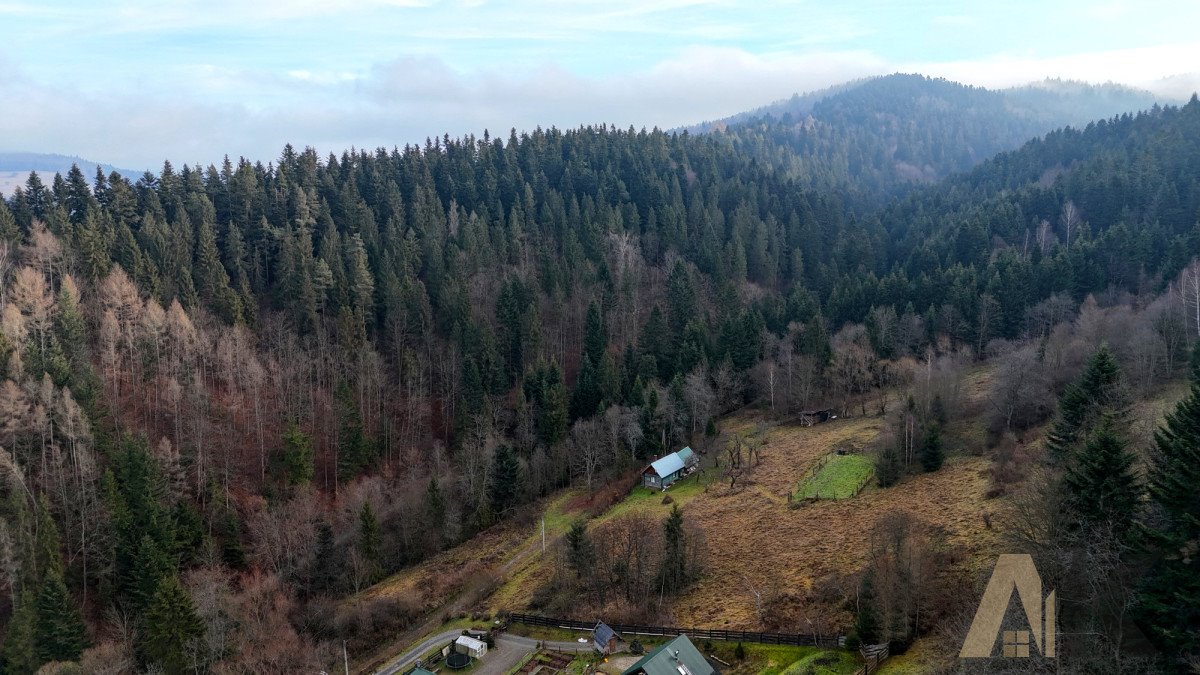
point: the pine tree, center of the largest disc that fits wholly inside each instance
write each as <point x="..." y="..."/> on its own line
<point x="19" y="653"/>
<point x="435" y="515"/>
<point x="150" y="565"/>
<point x="595" y="337"/>
<point x="370" y="543"/>
<point x="506" y="483"/>
<point x="580" y="554"/>
<point x="654" y="344"/>
<point x="211" y="279"/>
<point x="866" y="625"/>
<point x="888" y="468"/>
<point x="932" y="455"/>
<point x="585" y="399"/>
<point x="354" y="450"/>
<point x="1101" y="488"/>
<point x="171" y="627"/>
<point x="1098" y="391"/>
<point x="1169" y="598"/>
<point x="59" y="633"/>
<point x="298" y="467"/>
<point x="552" y="408"/>
<point x="674" y="573"/>
<point x="328" y="567"/>
<point x="8" y="224"/>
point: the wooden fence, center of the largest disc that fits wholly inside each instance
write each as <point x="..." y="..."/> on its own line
<point x="873" y="657"/>
<point x="794" y="639"/>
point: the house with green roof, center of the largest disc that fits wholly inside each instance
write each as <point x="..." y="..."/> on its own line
<point x="677" y="657"/>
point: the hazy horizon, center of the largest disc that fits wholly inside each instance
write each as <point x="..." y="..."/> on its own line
<point x="193" y="82"/>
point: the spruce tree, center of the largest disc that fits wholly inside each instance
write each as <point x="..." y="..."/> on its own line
<point x="354" y="451"/>
<point x="586" y="397"/>
<point x="211" y="279"/>
<point x="19" y="654"/>
<point x="435" y="515"/>
<point x="552" y="408"/>
<point x="1169" y="598"/>
<point x="866" y="624"/>
<point x="1101" y="487"/>
<point x="887" y="467"/>
<point x="1098" y="391"/>
<point x="171" y="627"/>
<point x="59" y="633"/>
<point x="506" y="483"/>
<point x="298" y="467"/>
<point x="370" y="543"/>
<point x="932" y="454"/>
<point x="580" y="554"/>
<point x="595" y="337"/>
<point x="674" y="572"/>
<point x="327" y="566"/>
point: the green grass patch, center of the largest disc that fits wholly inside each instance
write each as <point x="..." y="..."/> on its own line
<point x="783" y="660"/>
<point x="839" y="478"/>
<point x="644" y="500"/>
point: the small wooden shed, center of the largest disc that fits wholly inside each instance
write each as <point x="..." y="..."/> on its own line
<point x="604" y="639"/>
<point x="811" y="417"/>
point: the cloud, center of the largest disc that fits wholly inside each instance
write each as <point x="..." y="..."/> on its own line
<point x="1139" y="67"/>
<point x="411" y="97"/>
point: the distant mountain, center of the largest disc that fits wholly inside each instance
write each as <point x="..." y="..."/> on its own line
<point x="15" y="167"/>
<point x="873" y="139"/>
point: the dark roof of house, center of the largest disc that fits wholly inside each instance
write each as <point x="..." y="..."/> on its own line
<point x="677" y="657"/>
<point x="602" y="633"/>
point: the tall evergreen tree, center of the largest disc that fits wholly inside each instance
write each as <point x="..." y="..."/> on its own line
<point x="1169" y="600"/>
<point x="585" y="399"/>
<point x="370" y="543"/>
<point x="506" y="480"/>
<point x="1101" y="487"/>
<point x="580" y="553"/>
<point x="435" y="515"/>
<point x="298" y="467"/>
<point x="675" y="571"/>
<point x="19" y="653"/>
<point x="355" y="451"/>
<point x="60" y="634"/>
<point x="932" y="455"/>
<point x="171" y="628"/>
<point x="1098" y="391"/>
<point x="328" y="568"/>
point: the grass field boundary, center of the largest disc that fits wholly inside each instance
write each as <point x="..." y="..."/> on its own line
<point x="793" y="639"/>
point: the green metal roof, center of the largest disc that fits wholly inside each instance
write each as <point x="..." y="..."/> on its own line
<point x="668" y="659"/>
<point x="419" y="671"/>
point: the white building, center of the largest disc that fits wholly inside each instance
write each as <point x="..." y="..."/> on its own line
<point x="469" y="645"/>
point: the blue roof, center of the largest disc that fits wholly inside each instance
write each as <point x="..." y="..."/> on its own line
<point x="602" y="633"/>
<point x="667" y="465"/>
<point x="671" y="463"/>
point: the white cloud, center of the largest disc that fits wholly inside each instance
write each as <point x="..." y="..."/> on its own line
<point x="404" y="100"/>
<point x="1141" y="67"/>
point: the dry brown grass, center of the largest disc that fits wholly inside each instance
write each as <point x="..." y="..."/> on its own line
<point x="753" y="542"/>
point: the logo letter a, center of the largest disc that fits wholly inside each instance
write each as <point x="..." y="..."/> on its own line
<point x="1012" y="571"/>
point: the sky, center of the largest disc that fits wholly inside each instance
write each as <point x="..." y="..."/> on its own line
<point x="134" y="82"/>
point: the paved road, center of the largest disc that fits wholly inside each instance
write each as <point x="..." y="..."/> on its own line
<point x="511" y="643"/>
<point x="454" y="605"/>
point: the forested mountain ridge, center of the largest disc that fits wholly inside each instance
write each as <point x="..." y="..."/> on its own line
<point x="271" y="385"/>
<point x="877" y="137"/>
